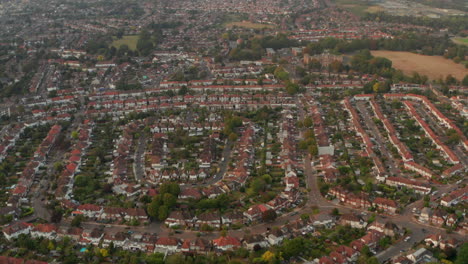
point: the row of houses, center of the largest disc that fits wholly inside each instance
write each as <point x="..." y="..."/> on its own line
<point x="440" y="241"/>
<point x="237" y="71"/>
<point x="154" y="95"/>
<point x="193" y="128"/>
<point x="119" y="110"/>
<point x="75" y="157"/>
<point x="459" y="103"/>
<point x="392" y="133"/>
<point x="362" y="200"/>
<point x="211" y="219"/>
<point x="130" y="99"/>
<point x="437" y="217"/>
<point x="179" y="84"/>
<point x="325" y="149"/>
<point x="99" y="65"/>
<point x="27" y="177"/>
<point x="403" y="86"/>
<point x="159" y="169"/>
<point x="378" y="165"/>
<point x="67" y="53"/>
<point x="455" y="197"/>
<point x="405" y="153"/>
<point x="290" y="193"/>
<point x="349" y="254"/>
<point x="434" y="110"/>
<point x="10" y="135"/>
<point x="418" y="186"/>
<point x="449" y="154"/>
<point x="431" y="134"/>
<point x="339" y="33"/>
<point x="111" y="214"/>
<point x="150" y="242"/>
<point x="121" y="154"/>
<point x="245" y="153"/>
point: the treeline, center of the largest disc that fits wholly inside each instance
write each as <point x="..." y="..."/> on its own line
<point x="451" y="4"/>
<point x="364" y="62"/>
<point x="455" y="24"/>
<point x="148" y="39"/>
<point x="254" y="48"/>
<point x="99" y="45"/>
<point x="424" y="44"/>
<point x="20" y="87"/>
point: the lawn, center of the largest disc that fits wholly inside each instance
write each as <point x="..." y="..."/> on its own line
<point x="247" y="24"/>
<point x="358" y="7"/>
<point x="432" y="66"/>
<point x="130" y="41"/>
<point x="461" y="41"/>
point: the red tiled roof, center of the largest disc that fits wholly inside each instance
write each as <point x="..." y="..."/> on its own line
<point x="167" y="241"/>
<point x="227" y="241"/>
<point x="89" y="207"/>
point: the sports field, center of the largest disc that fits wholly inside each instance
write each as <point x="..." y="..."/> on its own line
<point x="130" y="41"/>
<point x="432" y="66"/>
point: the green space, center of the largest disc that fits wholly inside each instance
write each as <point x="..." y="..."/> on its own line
<point x="129" y="40"/>
<point x="461" y="41"/>
<point x="357" y="7"/>
<point x="247" y="24"/>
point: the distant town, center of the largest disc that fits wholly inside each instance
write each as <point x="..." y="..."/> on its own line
<point x="212" y="131"/>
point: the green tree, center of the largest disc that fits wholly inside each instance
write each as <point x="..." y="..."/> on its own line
<point x="295" y="247"/>
<point x="156" y="258"/>
<point x="232" y="137"/>
<point x="462" y="256"/>
<point x="269" y="215"/>
<point x="169" y="200"/>
<point x="335" y="212"/>
<point x="76" y="222"/>
<point x="74" y="134"/>
<point x="308" y="122"/>
<point x="258" y="185"/>
<point x="292" y="88"/>
<point x="145" y="44"/>
<point x="465" y="81"/>
<point x="175" y="259"/>
<point x="163" y="212"/>
<point x="153" y="207"/>
<point x="183" y="90"/>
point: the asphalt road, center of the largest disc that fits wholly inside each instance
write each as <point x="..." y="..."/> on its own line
<point x="226" y="158"/>
<point x="314" y="199"/>
<point x="440" y="131"/>
<point x="381" y="140"/>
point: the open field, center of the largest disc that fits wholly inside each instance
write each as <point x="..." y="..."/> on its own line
<point x="357" y="7"/>
<point x="397" y="7"/>
<point x="130" y="41"/>
<point x="461" y="41"/>
<point x="375" y="9"/>
<point x="432" y="66"/>
<point x="247" y="24"/>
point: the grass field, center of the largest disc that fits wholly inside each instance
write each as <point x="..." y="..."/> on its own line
<point x="461" y="41"/>
<point x="432" y="66"/>
<point x="130" y="41"/>
<point x="357" y="7"/>
<point x="247" y="24"/>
